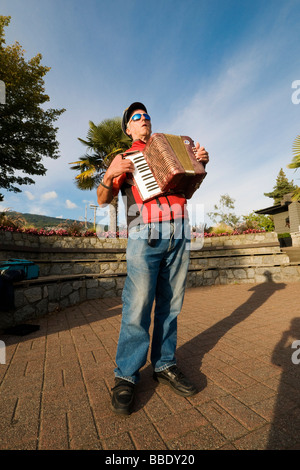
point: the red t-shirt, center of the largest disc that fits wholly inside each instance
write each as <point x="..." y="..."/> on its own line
<point x="161" y="208"/>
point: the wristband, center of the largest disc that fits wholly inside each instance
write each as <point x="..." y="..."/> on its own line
<point x="105" y="186"/>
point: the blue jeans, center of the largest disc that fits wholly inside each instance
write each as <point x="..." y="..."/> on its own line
<point x="154" y="273"/>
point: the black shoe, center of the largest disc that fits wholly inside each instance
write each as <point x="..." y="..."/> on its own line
<point x="176" y="380"/>
<point x="123" y="396"/>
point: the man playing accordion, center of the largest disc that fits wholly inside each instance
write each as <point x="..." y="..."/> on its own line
<point x="157" y="266"/>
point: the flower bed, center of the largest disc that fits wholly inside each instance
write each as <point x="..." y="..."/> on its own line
<point x="226" y="234"/>
<point x="47" y="233"/>
<point x="109" y="234"/>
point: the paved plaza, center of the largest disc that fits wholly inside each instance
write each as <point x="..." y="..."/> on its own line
<point x="234" y="342"/>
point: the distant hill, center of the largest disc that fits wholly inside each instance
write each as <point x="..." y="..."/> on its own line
<point x="44" y="221"/>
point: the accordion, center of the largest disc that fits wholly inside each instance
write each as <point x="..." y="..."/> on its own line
<point x="167" y="164"/>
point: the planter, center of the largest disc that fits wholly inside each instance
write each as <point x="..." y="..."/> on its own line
<point x="285" y="242"/>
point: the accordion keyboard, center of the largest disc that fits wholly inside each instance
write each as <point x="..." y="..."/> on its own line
<point x="144" y="177"/>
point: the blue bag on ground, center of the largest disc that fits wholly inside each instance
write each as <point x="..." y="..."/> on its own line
<point x="30" y="269"/>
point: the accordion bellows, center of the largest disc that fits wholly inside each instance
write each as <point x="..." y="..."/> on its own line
<point x="173" y="163"/>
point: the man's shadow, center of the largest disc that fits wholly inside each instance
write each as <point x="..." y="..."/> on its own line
<point x="285" y="428"/>
<point x="200" y="345"/>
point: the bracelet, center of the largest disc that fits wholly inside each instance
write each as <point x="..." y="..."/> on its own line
<point x="105" y="186"/>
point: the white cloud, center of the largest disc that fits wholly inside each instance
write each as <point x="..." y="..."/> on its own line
<point x="37" y="210"/>
<point x="70" y="204"/>
<point x="49" y="195"/>
<point x="29" y="195"/>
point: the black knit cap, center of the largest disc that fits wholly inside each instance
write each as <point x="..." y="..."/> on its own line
<point x="127" y="113"/>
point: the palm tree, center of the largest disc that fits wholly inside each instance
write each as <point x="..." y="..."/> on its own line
<point x="104" y="141"/>
<point x="295" y="163"/>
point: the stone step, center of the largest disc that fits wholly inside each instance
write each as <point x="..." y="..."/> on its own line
<point x="57" y="253"/>
<point x="239" y="250"/>
<point x="111" y="261"/>
<point x="81" y="266"/>
<point x="271" y="259"/>
<point x="244" y="274"/>
<point x="113" y="265"/>
<point x="293" y="253"/>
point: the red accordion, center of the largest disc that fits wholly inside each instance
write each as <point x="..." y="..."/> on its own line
<point x="167" y="164"/>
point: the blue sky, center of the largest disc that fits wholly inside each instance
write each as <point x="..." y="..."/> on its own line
<point x="220" y="71"/>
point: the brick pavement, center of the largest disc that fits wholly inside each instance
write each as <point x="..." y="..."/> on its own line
<point x="234" y="342"/>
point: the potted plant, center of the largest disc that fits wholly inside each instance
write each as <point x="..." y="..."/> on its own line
<point x="285" y="239"/>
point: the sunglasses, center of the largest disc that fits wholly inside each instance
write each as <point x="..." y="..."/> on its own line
<point x="137" y="117"/>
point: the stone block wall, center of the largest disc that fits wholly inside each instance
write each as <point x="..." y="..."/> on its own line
<point x="73" y="270"/>
<point x="238" y="240"/>
<point x="244" y="275"/>
<point x="28" y="240"/>
<point x="295" y="239"/>
<point x="34" y="301"/>
<point x="294" y="216"/>
<point x="39" y="242"/>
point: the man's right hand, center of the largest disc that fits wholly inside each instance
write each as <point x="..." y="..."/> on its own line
<point x="118" y="166"/>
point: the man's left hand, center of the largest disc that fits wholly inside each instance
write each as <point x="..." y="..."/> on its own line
<point x="201" y="154"/>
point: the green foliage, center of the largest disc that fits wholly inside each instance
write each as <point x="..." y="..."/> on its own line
<point x="104" y="141"/>
<point x="295" y="163"/>
<point x="221" y="228"/>
<point x="11" y="219"/>
<point x="17" y="219"/>
<point x="258" y="221"/>
<point x="283" y="186"/>
<point x="26" y="129"/>
<point x="284" y="235"/>
<point x="222" y="212"/>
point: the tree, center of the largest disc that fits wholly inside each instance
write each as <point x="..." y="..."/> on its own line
<point x="258" y="221"/>
<point x="104" y="141"/>
<point x="26" y="129"/>
<point x="283" y="186"/>
<point x="221" y="214"/>
<point x="295" y="163"/>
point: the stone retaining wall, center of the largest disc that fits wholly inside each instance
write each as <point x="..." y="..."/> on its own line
<point x="244" y="275"/>
<point x="238" y="240"/>
<point x="34" y="301"/>
<point x="74" y="276"/>
<point x="53" y="241"/>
